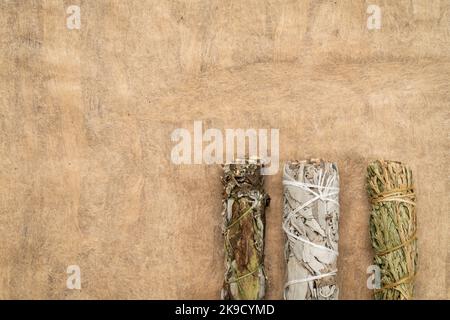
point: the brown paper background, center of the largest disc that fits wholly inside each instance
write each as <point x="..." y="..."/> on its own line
<point x="86" y="117"/>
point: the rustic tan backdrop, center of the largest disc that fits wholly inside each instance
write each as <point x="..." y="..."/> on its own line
<point x="86" y="117"/>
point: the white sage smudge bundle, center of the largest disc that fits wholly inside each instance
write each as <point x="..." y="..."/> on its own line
<point x="310" y="222"/>
<point x="244" y="204"/>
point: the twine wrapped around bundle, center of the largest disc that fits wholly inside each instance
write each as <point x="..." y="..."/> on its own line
<point x="243" y="228"/>
<point x="393" y="228"/>
<point x="310" y="221"/>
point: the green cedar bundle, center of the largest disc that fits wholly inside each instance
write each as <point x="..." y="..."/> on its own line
<point x="393" y="228"/>
<point x="243" y="228"/>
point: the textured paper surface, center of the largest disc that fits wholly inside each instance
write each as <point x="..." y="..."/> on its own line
<point x="86" y="117"/>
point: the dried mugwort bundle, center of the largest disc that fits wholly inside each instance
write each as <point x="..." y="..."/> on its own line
<point x="310" y="221"/>
<point x="393" y="227"/>
<point x="243" y="228"/>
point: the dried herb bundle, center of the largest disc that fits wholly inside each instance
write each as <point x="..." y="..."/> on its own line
<point x="243" y="227"/>
<point x="310" y="221"/>
<point x="393" y="228"/>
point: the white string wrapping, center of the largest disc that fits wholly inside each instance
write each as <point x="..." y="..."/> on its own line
<point x="310" y="222"/>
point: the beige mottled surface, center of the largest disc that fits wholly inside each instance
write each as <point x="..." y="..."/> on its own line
<point x="86" y="117"/>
